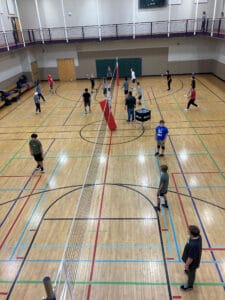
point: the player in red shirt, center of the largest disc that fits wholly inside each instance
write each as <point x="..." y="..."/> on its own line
<point x="192" y="97"/>
<point x="51" y="83"/>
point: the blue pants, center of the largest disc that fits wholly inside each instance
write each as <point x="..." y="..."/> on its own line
<point x="130" y="112"/>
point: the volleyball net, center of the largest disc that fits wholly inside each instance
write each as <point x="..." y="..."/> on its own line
<point x="65" y="281"/>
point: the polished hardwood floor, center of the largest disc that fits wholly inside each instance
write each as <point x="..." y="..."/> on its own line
<point x="108" y="181"/>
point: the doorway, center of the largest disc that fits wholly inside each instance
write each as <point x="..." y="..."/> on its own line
<point x="66" y="69"/>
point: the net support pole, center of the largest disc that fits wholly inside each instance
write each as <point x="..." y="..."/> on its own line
<point x="196" y="18"/>
<point x="213" y="20"/>
<point x="117" y="72"/>
<point x="49" y="289"/>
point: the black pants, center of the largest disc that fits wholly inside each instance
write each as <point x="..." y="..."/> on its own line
<point x="41" y="96"/>
<point x="169" y="83"/>
<point x="38" y="107"/>
<point x="191" y="102"/>
<point x="191" y="277"/>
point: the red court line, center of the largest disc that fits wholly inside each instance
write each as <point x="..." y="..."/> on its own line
<point x="20" y="212"/>
<point x="213" y="249"/>
<point x="204" y="172"/>
<point x="150" y="100"/>
<point x="180" y="201"/>
<point x="20" y="257"/>
<point x="177" y="297"/>
<point x="100" y="213"/>
<point x="3" y="293"/>
<point x="164" y="229"/>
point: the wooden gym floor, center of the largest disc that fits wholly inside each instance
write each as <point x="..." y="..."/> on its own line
<point x="127" y="251"/>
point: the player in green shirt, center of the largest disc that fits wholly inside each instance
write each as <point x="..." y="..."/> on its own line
<point x="163" y="187"/>
<point x="36" y="151"/>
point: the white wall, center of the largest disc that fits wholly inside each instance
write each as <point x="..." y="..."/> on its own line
<point x="84" y="12"/>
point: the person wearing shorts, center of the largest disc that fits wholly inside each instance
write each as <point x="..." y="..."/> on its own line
<point x="133" y="77"/>
<point x="161" y="132"/>
<point x="163" y="187"/>
<point x="36" y="151"/>
<point x="87" y="100"/>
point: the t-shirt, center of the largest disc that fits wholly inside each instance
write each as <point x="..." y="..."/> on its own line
<point x="133" y="75"/>
<point x="35" y="146"/>
<point x="161" y="132"/>
<point x="86" y="97"/>
<point x="130" y="102"/>
<point x="126" y="85"/>
<point x="164" y="181"/>
<point x="139" y="90"/>
<point x="193" y="94"/>
<point x="193" y="83"/>
<point x="36" y="99"/>
<point x="193" y="249"/>
<point x="169" y="77"/>
<point x="38" y="89"/>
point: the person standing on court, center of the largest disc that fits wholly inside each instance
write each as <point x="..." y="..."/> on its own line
<point x="109" y="73"/>
<point x="87" y="100"/>
<point x="133" y="78"/>
<point x="163" y="187"/>
<point x="130" y="103"/>
<point x="37" y="102"/>
<point x="192" y="97"/>
<point x="104" y="87"/>
<point x="169" y="79"/>
<point x="51" y="83"/>
<point x="92" y="79"/>
<point x="161" y="132"/>
<point x="125" y="86"/>
<point x="203" y="27"/>
<point x="193" y="82"/>
<point x="139" y="93"/>
<point x="36" y="151"/>
<point x="38" y="90"/>
<point x="192" y="256"/>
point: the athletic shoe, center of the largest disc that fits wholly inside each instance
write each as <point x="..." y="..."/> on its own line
<point x="186" y="109"/>
<point x="157" y="153"/>
<point x="186" y="288"/>
<point x="161" y="155"/>
<point x="157" y="208"/>
<point x="42" y="171"/>
<point x="165" y="205"/>
<point x="38" y="168"/>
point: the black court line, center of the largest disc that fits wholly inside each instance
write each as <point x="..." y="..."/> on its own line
<point x="115" y="184"/>
<point x="61" y="197"/>
<point x="221" y="99"/>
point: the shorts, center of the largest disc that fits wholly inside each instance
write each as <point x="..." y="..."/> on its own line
<point x="38" y="157"/>
<point x="87" y="103"/>
<point x="125" y="92"/>
<point x="160" y="143"/>
<point x="134" y="80"/>
<point x="139" y="97"/>
<point x="163" y="193"/>
<point x="104" y="91"/>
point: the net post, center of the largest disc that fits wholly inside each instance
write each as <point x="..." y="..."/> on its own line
<point x="49" y="289"/>
<point x="117" y="72"/>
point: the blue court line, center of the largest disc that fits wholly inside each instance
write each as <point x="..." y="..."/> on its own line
<point x="189" y="191"/>
<point x="107" y="261"/>
<point x="107" y="247"/>
<point x="172" y="225"/>
<point x="163" y="212"/>
<point x="34" y="210"/>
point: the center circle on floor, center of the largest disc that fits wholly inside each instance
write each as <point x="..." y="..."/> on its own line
<point x="90" y="131"/>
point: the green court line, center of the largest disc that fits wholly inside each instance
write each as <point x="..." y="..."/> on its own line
<point x="26" y="142"/>
<point x="219" y="284"/>
<point x="200" y="140"/>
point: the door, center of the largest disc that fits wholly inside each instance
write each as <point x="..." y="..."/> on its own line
<point x="66" y="69"/>
<point x="16" y="30"/>
<point x="34" y="71"/>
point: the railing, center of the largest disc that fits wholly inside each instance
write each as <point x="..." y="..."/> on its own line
<point x="14" y="39"/>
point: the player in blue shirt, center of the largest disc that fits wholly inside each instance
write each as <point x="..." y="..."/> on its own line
<point x="161" y="132"/>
